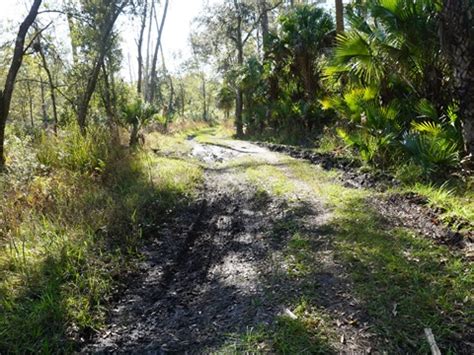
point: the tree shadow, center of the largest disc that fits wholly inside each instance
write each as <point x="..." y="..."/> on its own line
<point x="405" y="281"/>
<point x="207" y="284"/>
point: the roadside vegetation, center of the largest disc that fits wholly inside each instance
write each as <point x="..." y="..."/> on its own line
<point x="74" y="213"/>
<point x="384" y="90"/>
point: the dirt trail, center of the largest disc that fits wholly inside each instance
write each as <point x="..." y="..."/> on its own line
<point x="215" y="271"/>
<point x="221" y="269"/>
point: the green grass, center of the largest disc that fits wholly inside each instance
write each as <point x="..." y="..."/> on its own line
<point x="252" y="341"/>
<point x="305" y="335"/>
<point x="405" y="282"/>
<point x="456" y="203"/>
<point x="430" y="286"/>
<point x="71" y="227"/>
<point x="396" y="269"/>
<point x="270" y="178"/>
<point x="70" y="233"/>
<point x="166" y="144"/>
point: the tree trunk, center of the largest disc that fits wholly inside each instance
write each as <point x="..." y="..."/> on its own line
<point x="239" y="100"/>
<point x="70" y="22"/>
<point x="44" y="111"/>
<point x="140" y="45"/>
<point x="152" y="86"/>
<point x="146" y="76"/>
<point x="171" y="87"/>
<point x="83" y="104"/>
<point x="51" y="88"/>
<point x="339" y="16"/>
<point x="134" y="135"/>
<point x="108" y="99"/>
<point x="264" y="26"/>
<point x="7" y="93"/>
<point x="30" y="103"/>
<point x="204" y="97"/>
<point x="264" y="23"/>
<point x="182" y="95"/>
<point x="458" y="44"/>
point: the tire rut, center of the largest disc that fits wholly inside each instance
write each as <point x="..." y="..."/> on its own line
<point x="220" y="269"/>
<point x="202" y="288"/>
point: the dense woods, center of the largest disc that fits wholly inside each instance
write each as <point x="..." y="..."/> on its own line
<point x="384" y="85"/>
<point x="390" y="83"/>
<point x="396" y="83"/>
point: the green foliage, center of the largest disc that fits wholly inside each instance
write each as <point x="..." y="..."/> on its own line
<point x="304" y="30"/>
<point x="391" y="266"/>
<point x="72" y="150"/>
<point x="372" y="148"/>
<point x="279" y="90"/>
<point x="68" y="235"/>
<point x="138" y="112"/>
<point x="225" y="98"/>
<point x="388" y="79"/>
<point x="432" y="150"/>
<point x="455" y="198"/>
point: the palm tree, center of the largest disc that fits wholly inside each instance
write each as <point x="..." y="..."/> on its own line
<point x="399" y="46"/>
<point x="304" y="37"/>
<point x="137" y="114"/>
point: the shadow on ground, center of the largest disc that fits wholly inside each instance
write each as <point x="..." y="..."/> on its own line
<point x="223" y="274"/>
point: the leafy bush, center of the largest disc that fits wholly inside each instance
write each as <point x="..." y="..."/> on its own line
<point x="137" y="113"/>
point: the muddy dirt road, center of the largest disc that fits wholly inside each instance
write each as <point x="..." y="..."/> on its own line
<point x="219" y="277"/>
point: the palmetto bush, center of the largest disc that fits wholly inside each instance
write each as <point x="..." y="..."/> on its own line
<point x="433" y="144"/>
<point x="387" y="74"/>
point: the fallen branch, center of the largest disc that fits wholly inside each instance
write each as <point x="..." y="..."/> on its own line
<point x="431" y="340"/>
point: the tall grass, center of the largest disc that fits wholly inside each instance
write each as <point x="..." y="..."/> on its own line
<point x="74" y="151"/>
<point x="70" y="228"/>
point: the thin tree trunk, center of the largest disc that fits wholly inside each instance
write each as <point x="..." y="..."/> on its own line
<point x="264" y="23"/>
<point x="152" y="87"/>
<point x="30" y="103"/>
<point x="134" y="135"/>
<point x="51" y="88"/>
<point x="7" y="93"/>
<point x="170" y="83"/>
<point x="140" y="45"/>
<point x="146" y="77"/>
<point x="239" y="100"/>
<point x="43" y="105"/>
<point x="182" y="95"/>
<point x="83" y="105"/>
<point x="107" y="97"/>
<point x="70" y="22"/>
<point x="204" y="98"/>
